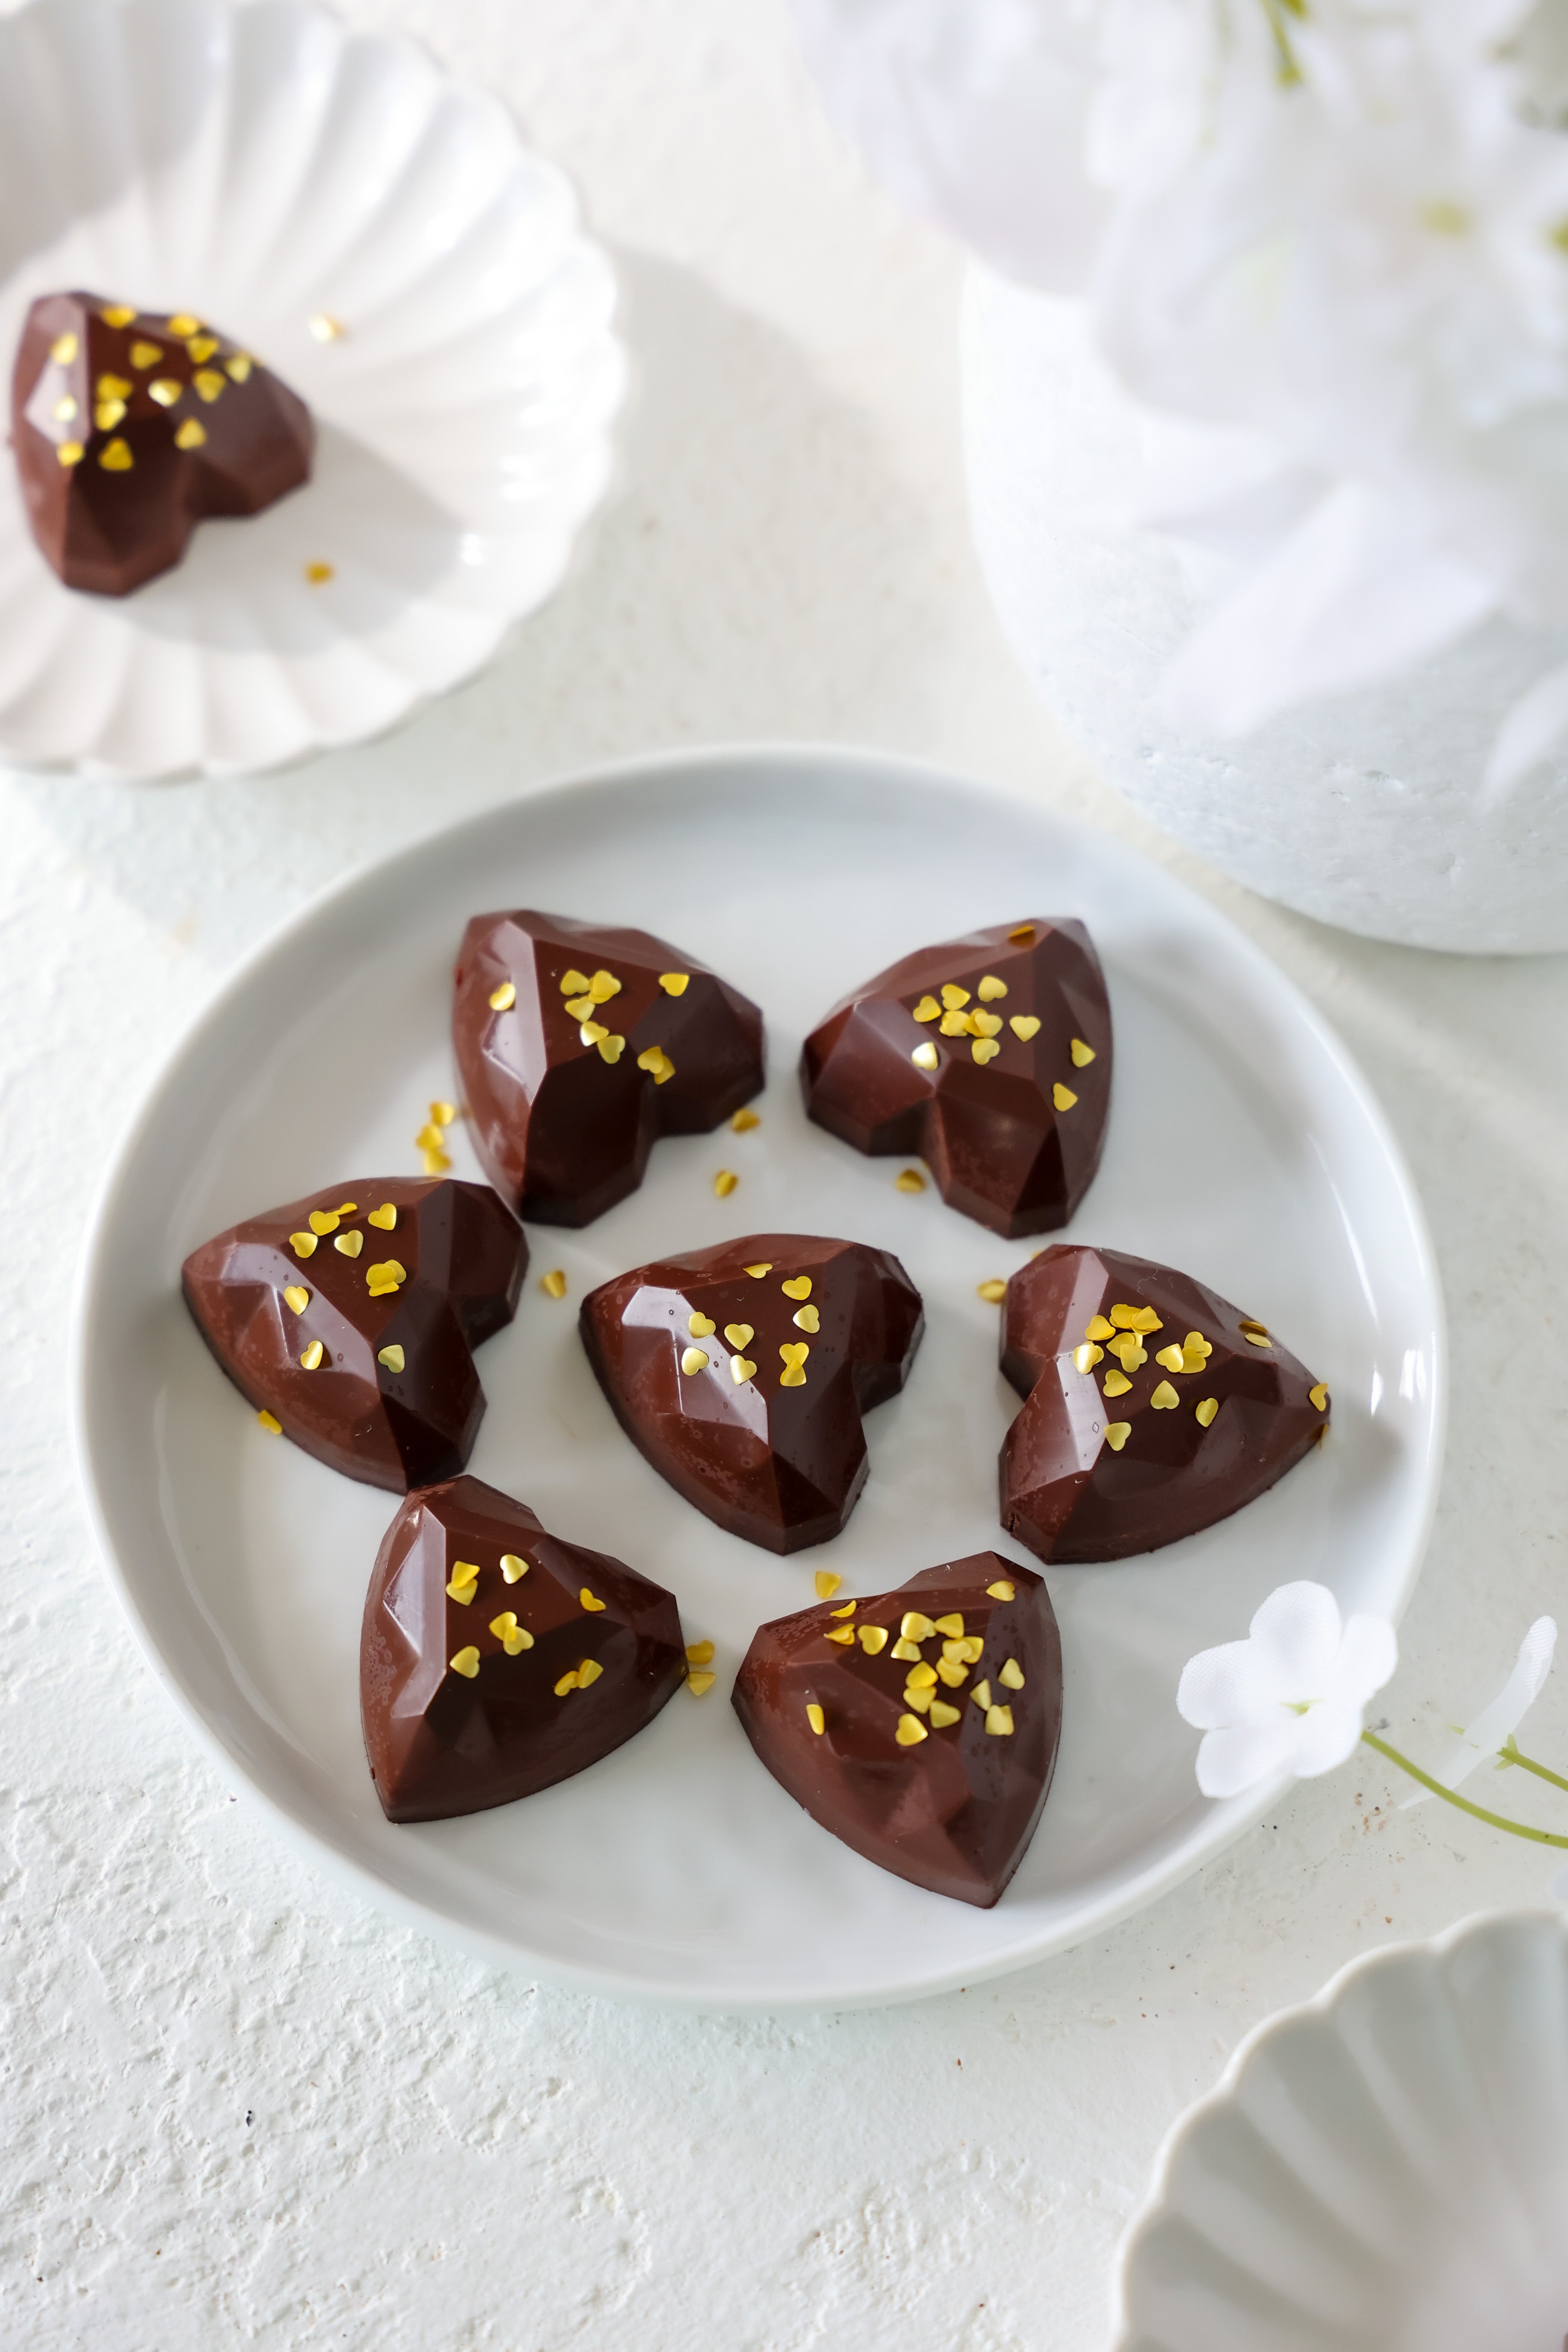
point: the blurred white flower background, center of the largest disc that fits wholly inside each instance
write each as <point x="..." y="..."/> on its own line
<point x="1330" y="234"/>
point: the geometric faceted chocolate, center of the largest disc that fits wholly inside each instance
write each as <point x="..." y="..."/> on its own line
<point x="1153" y="1407"/>
<point x="351" y="1316"/>
<point x="742" y="1372"/>
<point x="496" y="1660"/>
<point x="578" y="1047"/>
<point x="988" y="1057"/>
<point x="129" y="426"/>
<point x="921" y="1726"/>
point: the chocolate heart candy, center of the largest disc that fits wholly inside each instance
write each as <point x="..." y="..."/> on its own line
<point x="351" y="1316"/>
<point x="989" y="1057"/>
<point x="1153" y="1406"/>
<point x="495" y="1659"/>
<point x="921" y="1726"/>
<point x="765" y="1438"/>
<point x="579" y="1047"/>
<point x="129" y="426"/>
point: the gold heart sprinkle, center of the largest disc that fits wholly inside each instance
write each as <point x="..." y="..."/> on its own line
<point x="913" y="1627"/>
<point x="952" y="996"/>
<point x="573" y="982"/>
<point x="999" y="1721"/>
<point x="117" y="458"/>
<point x="1003" y="1592"/>
<point x="511" y="1636"/>
<point x="1257" y="1333"/>
<point x="843" y="1634"/>
<point x="443" y="1113"/>
<point x="1116" y="1383"/>
<point x="1173" y="1358"/>
<point x="466" y="1661"/>
<point x="807" y="1319"/>
<point x="699" y="1325"/>
<point x="916" y="1696"/>
<point x="1082" y="1055"/>
<point x="312" y="1355"/>
<point x="201" y="348"/>
<point x="911" y="1731"/>
<point x="827" y="1583"/>
<point x="592" y="1031"/>
<point x="553" y="1283"/>
<point x="1319" y="1396"/>
<point x="588" y="1672"/>
<point x="1012" y="1674"/>
<point x="602" y="986"/>
<point x="743" y="1122"/>
<point x="739" y="1335"/>
<point x="1195" y="1352"/>
<point x="117" y="314"/>
<point x="503" y="998"/>
<point x="611" y="1049"/>
<point x="209" y="384"/>
<point x="990" y="987"/>
<point x="873" y="1638"/>
<point x="1099" y="1327"/>
<point x="700" y="1653"/>
<point x="351" y="1244"/>
<point x="952" y="1624"/>
<point x="992" y="1292"/>
<point x="1206" y="1411"/>
<point x="921" y="1677"/>
<point x="742" y="1370"/>
<point x="70" y="452"/>
<point x="985" y="1049"/>
<point x="108" y="413"/>
<point x="657" y="1065"/>
<point x="1063" y="1096"/>
<point x="579" y="1008"/>
<point x="909" y="1180"/>
<point x="392" y="1358"/>
<point x="674" y="984"/>
<point x="981" y="1695"/>
<point x="384" y="1218"/>
<point x="985" y="1024"/>
<point x="114" y="387"/>
<point x="725" y="1182"/>
<point x="1087" y="1356"/>
<point x="927" y="1009"/>
<point x="63" y="349"/>
<point x="1131" y="1318"/>
<point x="464" y="1580"/>
<point x="569" y="1682"/>
<point x="324" y="1220"/>
<point x="848" y="1611"/>
<point x="763" y="1266"/>
<point x="1130" y="1351"/>
<point x="1024" y="1025"/>
<point x="590" y="1600"/>
<point x="925" y="1057"/>
<point x="692" y="1362"/>
<point x="64" y="409"/>
<point x="952" y="1673"/>
<point x="183" y="324"/>
<point x="297" y="1298"/>
<point x="902" y="1649"/>
<point x="815" y="1718"/>
<point x="165" y="390"/>
<point x="302" y="1245"/>
<point x="270" y="1423"/>
<point x="514" y="1568"/>
<point x="191" y="434"/>
<point x="145" y="355"/>
<point x="240" y="366"/>
<point x="942" y="1715"/>
<point x="955" y="1024"/>
<point x="1116" y="1433"/>
<point x="797" y="1286"/>
<point x="794" y="1374"/>
<point x="1023" y="936"/>
<point x="700" y="1685"/>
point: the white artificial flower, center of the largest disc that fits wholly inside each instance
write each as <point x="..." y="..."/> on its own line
<point x="1291" y="1698"/>
<point x="1498" y="1722"/>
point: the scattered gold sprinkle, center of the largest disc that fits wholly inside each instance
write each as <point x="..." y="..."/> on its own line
<point x="843" y="1634"/>
<point x="700" y="1685"/>
<point x="1257" y="1333"/>
<point x="435" y="1161"/>
<point x="312" y="1355"/>
<point x="69" y="453"/>
<point x="1137" y="1319"/>
<point x="693" y="1362"/>
<point x="382" y="1279"/>
<point x="981" y="1695"/>
<point x="145" y="355"/>
<point x="1116" y="1433"/>
<point x="700" y="1653"/>
<point x="873" y="1638"/>
<point x="911" y="1731"/>
<point x="1195" y="1352"/>
<point x="443" y="1113"/>
<point x="511" y="1636"/>
<point x="1172" y="1358"/>
<point x="1024" y="936"/>
<point x="918" y="1697"/>
<point x="201" y="348"/>
<point x="589" y="1672"/>
<point x="325" y="328"/>
<point x="827" y="1583"/>
<point x="603" y="985"/>
<point x="590" y="1600"/>
<point x="1130" y="1351"/>
<point x="165" y="390"/>
<point x="503" y="998"/>
<point x="847" y="1611"/>
<point x="350" y="1244"/>
<point x="392" y="1358"/>
<point x="1099" y="1328"/>
<point x="725" y="1182"/>
<point x="297" y="1297"/>
<point x="324" y="1220"/>
<point x="657" y="1065"/>
<point x="580" y="1008"/>
<point x="553" y="1283"/>
<point x="913" y="1627"/>
<point x="984" y="1049"/>
<point x="955" y="1024"/>
<point x="1206" y="1411"/>
<point x="569" y="1682"/>
<point x="191" y="435"/>
<point x="117" y="459"/>
<point x="942" y="1715"/>
<point x="927" y="1009"/>
<point x="63" y="349"/>
<point x="954" y="1671"/>
<point x="985" y="1024"/>
<point x="952" y="996"/>
<point x="1063" y="1096"/>
<point x="1012" y="1674"/>
<point x="117" y="314"/>
<point x="573" y="982"/>
<point x="925" y="1057"/>
<point x="763" y="1266"/>
<point x="1000" y="1592"/>
<point x="807" y="1319"/>
<point x="384" y="1218"/>
<point x="794" y="1374"/>
<point x="903" y="1649"/>
<point x="1087" y="1356"/>
<point x="1082" y="1055"/>
<point x="674" y="984"/>
<point x="909" y="1180"/>
<point x="611" y="1048"/>
<point x="115" y="387"/>
<point x="239" y="366"/>
<point x="700" y="1326"/>
<point x="797" y="1287"/>
<point x="1116" y="1385"/>
<point x="302" y="1245"/>
<point x="514" y="1568"/>
<point x="999" y="1721"/>
<point x="464" y="1582"/>
<point x="952" y="1625"/>
<point x="270" y="1423"/>
<point x="990" y="987"/>
<point x="318" y="574"/>
<point x="1024" y="1027"/>
<point x="183" y="324"/>
<point x="466" y="1661"/>
<point x="64" y="410"/>
<point x="1319" y="1396"/>
<point x="921" y="1677"/>
<point x="973" y="1644"/>
<point x="992" y="1292"/>
<point x="815" y="1718"/>
<point x="108" y="413"/>
<point x="739" y="1335"/>
<point x="743" y="1122"/>
<point x="742" y="1370"/>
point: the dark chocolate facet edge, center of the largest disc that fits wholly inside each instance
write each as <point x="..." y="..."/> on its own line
<point x="952" y="1806"/>
<point x="1088" y="1478"/>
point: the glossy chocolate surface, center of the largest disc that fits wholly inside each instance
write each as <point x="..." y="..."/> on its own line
<point x="745" y="1389"/>
<point x="129" y="426"/>
<point x="397" y="1282"/>
<point x="988" y="1057"/>
<point x="975" y="1685"/>
<point x="578" y="1047"/>
<point x="1131" y="1438"/>
<point x="496" y="1660"/>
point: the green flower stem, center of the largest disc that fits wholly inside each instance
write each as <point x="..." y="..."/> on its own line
<point x="1452" y="1797"/>
<point x="1508" y="1754"/>
<point x="1276" y="11"/>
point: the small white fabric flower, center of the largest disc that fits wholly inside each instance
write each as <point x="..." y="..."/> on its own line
<point x="1292" y="1696"/>
<point x="1498" y="1721"/>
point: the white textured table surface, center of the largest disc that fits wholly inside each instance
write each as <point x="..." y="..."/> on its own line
<point x="240" y="2109"/>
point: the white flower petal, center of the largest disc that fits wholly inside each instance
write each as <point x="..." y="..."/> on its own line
<point x="1233" y="1761"/>
<point x="1368" y="1657"/>
<point x="1328" y="1735"/>
<point x="1296" y="1634"/>
<point x="1501" y="1718"/>
<point x="1223" y="1686"/>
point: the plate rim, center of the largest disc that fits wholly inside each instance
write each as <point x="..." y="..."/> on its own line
<point x="708" y="763"/>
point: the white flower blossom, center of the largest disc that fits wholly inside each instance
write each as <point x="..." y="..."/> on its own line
<point x="1486" y="1734"/>
<point x="1291" y="1698"/>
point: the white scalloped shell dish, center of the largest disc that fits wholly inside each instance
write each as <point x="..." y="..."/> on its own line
<point x="1385" y="2170"/>
<point x="384" y="240"/>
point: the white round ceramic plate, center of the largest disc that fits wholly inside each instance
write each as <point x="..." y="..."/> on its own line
<point x="265" y="168"/>
<point x="1242" y="1147"/>
<point x="1383" y="2171"/>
